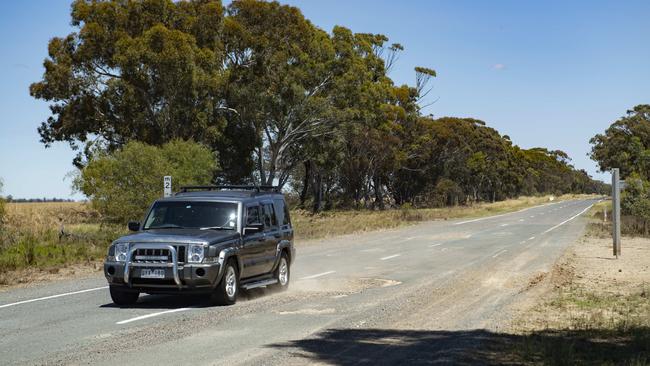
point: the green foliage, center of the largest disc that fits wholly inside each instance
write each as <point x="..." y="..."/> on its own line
<point x="280" y="101"/>
<point x="122" y="184"/>
<point x="626" y="145"/>
<point x="635" y="199"/>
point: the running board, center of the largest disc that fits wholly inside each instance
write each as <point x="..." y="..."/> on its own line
<point x="263" y="283"/>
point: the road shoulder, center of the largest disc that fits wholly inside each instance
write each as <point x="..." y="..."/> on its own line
<point x="591" y="309"/>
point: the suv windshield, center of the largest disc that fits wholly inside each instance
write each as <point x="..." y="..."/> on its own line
<point x="192" y="215"/>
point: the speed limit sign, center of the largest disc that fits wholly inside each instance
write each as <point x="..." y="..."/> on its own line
<point x="167" y="185"/>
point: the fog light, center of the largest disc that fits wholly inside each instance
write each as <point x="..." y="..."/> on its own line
<point x="111" y="270"/>
<point x="200" y="272"/>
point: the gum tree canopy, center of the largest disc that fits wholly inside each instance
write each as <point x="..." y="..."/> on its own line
<point x="149" y="71"/>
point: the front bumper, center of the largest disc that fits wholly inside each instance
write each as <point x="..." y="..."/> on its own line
<point x="189" y="276"/>
<point x="199" y="277"/>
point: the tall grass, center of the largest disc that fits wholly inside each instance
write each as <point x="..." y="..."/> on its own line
<point x="47" y="235"/>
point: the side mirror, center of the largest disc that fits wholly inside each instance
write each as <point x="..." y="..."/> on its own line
<point x="134" y="226"/>
<point x="253" y="228"/>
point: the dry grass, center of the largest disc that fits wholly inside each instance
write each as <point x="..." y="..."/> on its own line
<point x="45" y="237"/>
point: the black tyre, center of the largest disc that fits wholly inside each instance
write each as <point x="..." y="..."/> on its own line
<point x="282" y="274"/>
<point x="122" y="297"/>
<point x="227" y="290"/>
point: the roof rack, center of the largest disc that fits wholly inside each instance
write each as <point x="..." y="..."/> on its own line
<point x="265" y="188"/>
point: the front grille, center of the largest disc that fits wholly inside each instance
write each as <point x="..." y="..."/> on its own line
<point x="162" y="255"/>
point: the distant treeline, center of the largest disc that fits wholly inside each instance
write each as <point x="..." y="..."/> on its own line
<point x="28" y="200"/>
<point x="278" y="101"/>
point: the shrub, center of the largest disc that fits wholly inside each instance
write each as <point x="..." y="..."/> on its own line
<point x="121" y="185"/>
<point x="635" y="201"/>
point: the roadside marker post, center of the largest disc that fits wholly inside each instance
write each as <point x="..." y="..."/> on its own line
<point x="167" y="186"/>
<point x="616" y="212"/>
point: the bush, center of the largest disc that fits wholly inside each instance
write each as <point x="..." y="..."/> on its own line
<point x="635" y="201"/>
<point x="121" y="185"/>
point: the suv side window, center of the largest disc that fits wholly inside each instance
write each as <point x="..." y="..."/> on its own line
<point x="253" y="215"/>
<point x="282" y="211"/>
<point x="269" y="216"/>
<point x="287" y="218"/>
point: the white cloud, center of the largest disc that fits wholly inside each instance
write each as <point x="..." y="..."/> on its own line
<point x="498" y="66"/>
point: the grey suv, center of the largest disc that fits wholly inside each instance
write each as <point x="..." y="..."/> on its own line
<point x="208" y="239"/>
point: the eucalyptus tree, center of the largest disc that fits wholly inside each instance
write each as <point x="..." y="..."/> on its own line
<point x="149" y="71"/>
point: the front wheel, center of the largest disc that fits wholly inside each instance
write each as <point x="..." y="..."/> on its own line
<point x="122" y="298"/>
<point x="282" y="274"/>
<point x="226" y="291"/>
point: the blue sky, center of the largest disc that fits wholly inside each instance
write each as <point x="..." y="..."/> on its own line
<point x="546" y="73"/>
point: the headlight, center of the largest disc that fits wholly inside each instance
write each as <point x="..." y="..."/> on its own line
<point x="121" y="251"/>
<point x="196" y="253"/>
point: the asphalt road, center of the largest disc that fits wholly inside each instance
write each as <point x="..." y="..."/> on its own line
<point x="430" y="293"/>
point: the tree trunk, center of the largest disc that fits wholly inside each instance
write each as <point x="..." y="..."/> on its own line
<point x="305" y="183"/>
<point x="379" y="194"/>
<point x="260" y="165"/>
<point x="317" y="189"/>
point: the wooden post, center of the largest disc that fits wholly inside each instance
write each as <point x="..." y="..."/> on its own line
<point x="616" y="212"/>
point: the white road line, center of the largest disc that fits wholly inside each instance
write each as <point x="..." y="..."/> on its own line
<point x="151" y="315"/>
<point x="521" y="220"/>
<point x="533" y="216"/>
<point x="502" y="225"/>
<point x="567" y="220"/>
<point x="318" y="275"/>
<point x="435" y="245"/>
<point x="499" y="253"/>
<point x="531" y="238"/>
<point x="52" y="297"/>
<point x="389" y="257"/>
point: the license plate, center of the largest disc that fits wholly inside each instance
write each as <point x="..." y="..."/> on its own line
<point x="152" y="273"/>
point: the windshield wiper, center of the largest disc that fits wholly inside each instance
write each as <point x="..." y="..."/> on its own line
<point x="216" y="228"/>
<point x="168" y="226"/>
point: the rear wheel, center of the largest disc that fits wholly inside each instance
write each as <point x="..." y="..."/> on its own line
<point x="122" y="297"/>
<point x="282" y="274"/>
<point x="226" y="291"/>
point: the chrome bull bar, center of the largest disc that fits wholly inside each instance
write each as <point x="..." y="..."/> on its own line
<point x="174" y="263"/>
